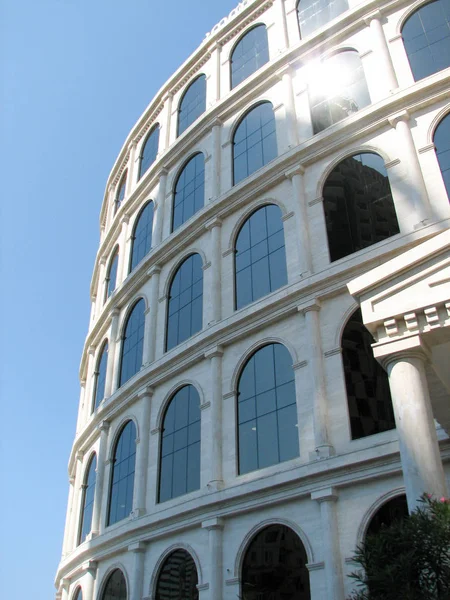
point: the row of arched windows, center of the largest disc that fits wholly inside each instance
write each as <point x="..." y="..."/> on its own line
<point x="267" y="422"/>
<point x="274" y="565"/>
<point x="337" y="89"/>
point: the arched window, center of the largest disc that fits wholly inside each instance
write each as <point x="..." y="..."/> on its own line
<point x="368" y="392"/>
<point x="122" y="478"/>
<point x="100" y="376"/>
<point x="87" y="501"/>
<point x="393" y="510"/>
<point x="442" y="145"/>
<point x="180" y="445"/>
<point x="189" y="196"/>
<point x="149" y="151"/>
<point x="358" y="204"/>
<point x="250" y="53"/>
<point x="185" y="310"/>
<point x="426" y="35"/>
<point x="141" y="241"/>
<point x="337" y="88"/>
<point x="192" y="104"/>
<point x="111" y="274"/>
<point x="274" y="566"/>
<point x="313" y="14"/>
<point x="267" y="410"/>
<point x="178" y="578"/>
<point x="116" y="587"/>
<point x="254" y="141"/>
<point x="78" y="594"/>
<point x="132" y="343"/>
<point x="260" y="256"/>
<point x="120" y="192"/>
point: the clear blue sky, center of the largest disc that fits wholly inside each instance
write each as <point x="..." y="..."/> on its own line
<point x="75" y="77"/>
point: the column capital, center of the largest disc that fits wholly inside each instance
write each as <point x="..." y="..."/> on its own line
<point x="401" y="117"/>
<point x="146" y="392"/>
<point x="90" y="566"/>
<point x="103" y="426"/>
<point x="163" y="172"/>
<point x="329" y="494"/>
<point x="125" y="220"/>
<point x="217" y="351"/>
<point x="137" y="547"/>
<point x="376" y="15"/>
<point x="214" y="523"/>
<point x="297" y="170"/>
<point x="402" y="349"/>
<point x="216" y="222"/>
<point x="216" y="122"/>
<point x="80" y="455"/>
<point x="115" y="313"/>
<point x="132" y="145"/>
<point x="311" y="306"/>
<point x="155" y="270"/>
<point x="285" y="70"/>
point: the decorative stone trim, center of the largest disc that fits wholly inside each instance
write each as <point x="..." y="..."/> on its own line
<point x="216" y="222"/>
<point x="317" y="200"/>
<point x="315" y="566"/>
<point x="376" y="15"/>
<point x="395" y="38"/>
<point x="403" y="115"/>
<point x="392" y="163"/>
<point x="213" y="352"/>
<point x="205" y="405"/>
<point x="365" y="53"/>
<point x="333" y="352"/>
<point x="191" y="73"/>
<point x="227" y="252"/>
<point x="234" y="581"/>
<point x="426" y="148"/>
<point x="297" y="170"/>
<point x="299" y="365"/>
<point x="155" y="431"/>
<point x="287" y="216"/>
<point x="229" y="395"/>
<point x="242" y="24"/>
<point x="202" y="587"/>
<point x="151" y="120"/>
<point x="206" y="265"/>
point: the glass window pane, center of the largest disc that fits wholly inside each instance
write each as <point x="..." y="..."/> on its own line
<point x="189" y="191"/>
<point x="122" y="477"/>
<point x="142" y="235"/>
<point x="100" y="376"/>
<point x="313" y="14"/>
<point x="87" y="504"/>
<point x="111" y="275"/>
<point x="193" y="104"/>
<point x="133" y="343"/>
<point x="442" y="144"/>
<point x="120" y="193"/>
<point x="116" y="587"/>
<point x="149" y="151"/>
<point x="177" y="579"/>
<point x="249" y="54"/>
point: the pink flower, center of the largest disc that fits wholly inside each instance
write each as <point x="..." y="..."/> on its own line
<point x="443" y="499"/>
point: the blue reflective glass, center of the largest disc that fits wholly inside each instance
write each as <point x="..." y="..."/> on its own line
<point x="111" y="275"/>
<point x="100" y="376"/>
<point x="193" y="104"/>
<point x="442" y="144"/>
<point x="88" y="500"/>
<point x="260" y="258"/>
<point x="178" y="578"/>
<point x="267" y="410"/>
<point x="120" y="194"/>
<point x="149" y="151"/>
<point x="189" y="196"/>
<point x="116" y="587"/>
<point x="133" y="343"/>
<point x="78" y="594"/>
<point x="358" y="204"/>
<point x="313" y="14"/>
<point x="249" y="54"/>
<point x="254" y="141"/>
<point x="122" y="479"/>
<point x="142" y="235"/>
<point x="180" y="445"/>
<point x="344" y="96"/>
<point x="426" y="35"/>
<point x="368" y="392"/>
<point x="185" y="308"/>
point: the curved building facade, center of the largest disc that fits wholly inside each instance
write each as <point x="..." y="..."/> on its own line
<point x="265" y="376"/>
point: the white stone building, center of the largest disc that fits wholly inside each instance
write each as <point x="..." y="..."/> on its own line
<point x="236" y="436"/>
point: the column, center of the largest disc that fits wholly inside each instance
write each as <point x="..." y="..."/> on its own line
<point x="81" y="411"/>
<point x="142" y="453"/>
<point x="284" y="41"/>
<point x="417" y="192"/>
<point x="137" y="578"/>
<point x="213" y="286"/>
<point x="389" y="79"/>
<point x="151" y="317"/>
<point x="301" y="216"/>
<point x="90" y="569"/>
<point x="75" y="508"/>
<point x="330" y="539"/>
<point x="159" y="209"/>
<point x="103" y="427"/>
<point x="216" y="162"/>
<point x="121" y="266"/>
<point x="90" y="382"/>
<point x="285" y="74"/>
<point x="419" y="448"/>
<point x="113" y="350"/>
<point x="168" y="104"/>
<point x="214" y="527"/>
<point x="131" y="175"/>
<point x="100" y="287"/>
<point x="323" y="448"/>
<point x="66" y="547"/>
<point x="214" y="448"/>
<point x="213" y="85"/>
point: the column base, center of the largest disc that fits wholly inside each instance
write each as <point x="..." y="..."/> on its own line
<point x="137" y="512"/>
<point x="215" y="485"/>
<point x="321" y="452"/>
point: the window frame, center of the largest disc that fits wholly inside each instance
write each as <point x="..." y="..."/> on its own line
<point x="85" y="486"/>
<point x="123" y="338"/>
<point x="155" y="129"/>
<point x="175" y="192"/>
<point x="95" y="401"/>
<point x="182" y="98"/>
<point x="119" y="434"/>
<point x="241" y="38"/>
<point x="146" y="205"/>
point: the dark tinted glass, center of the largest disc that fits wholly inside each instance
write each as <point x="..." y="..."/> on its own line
<point x="249" y="54"/>
<point x="442" y="143"/>
<point x="149" y="151"/>
<point x="358" y="204"/>
<point x="142" y="235"/>
<point x="189" y="194"/>
<point x="78" y="595"/>
<point x="116" y="587"/>
<point x="274" y="566"/>
<point x="178" y="578"/>
<point x="426" y="35"/>
<point x="338" y="90"/>
<point x="254" y="141"/>
<point x="185" y="310"/>
<point x="193" y="104"/>
<point x="180" y="445"/>
<point x="368" y="392"/>
<point x="122" y="480"/>
<point x="87" y="504"/>
<point x="313" y="14"/>
<point x="260" y="256"/>
<point x="120" y="194"/>
<point x="133" y="343"/>
<point x="267" y="410"/>
<point x="100" y="376"/>
<point x="111" y="275"/>
<point x="393" y="510"/>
